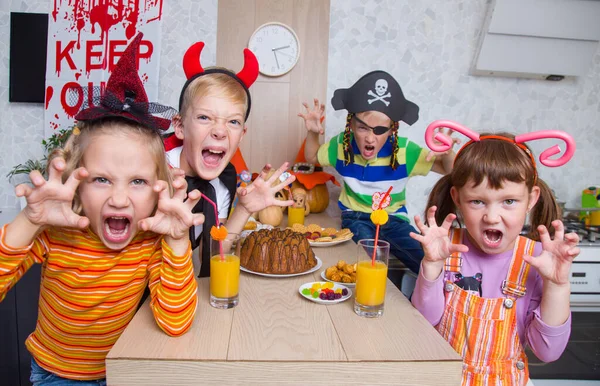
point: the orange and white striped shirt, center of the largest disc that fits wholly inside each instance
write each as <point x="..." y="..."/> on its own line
<point x="89" y="294"/>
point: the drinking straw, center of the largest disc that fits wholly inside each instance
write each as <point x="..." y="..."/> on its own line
<point x="377" y="228"/>
<point x="216" y="221"/>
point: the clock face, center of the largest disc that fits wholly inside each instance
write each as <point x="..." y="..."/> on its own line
<point x="276" y="47"/>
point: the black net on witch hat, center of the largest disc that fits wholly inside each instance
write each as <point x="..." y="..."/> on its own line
<point x="123" y="97"/>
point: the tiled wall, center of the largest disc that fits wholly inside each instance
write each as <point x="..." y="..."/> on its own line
<point x="427" y="46"/>
<point x="21" y="124"/>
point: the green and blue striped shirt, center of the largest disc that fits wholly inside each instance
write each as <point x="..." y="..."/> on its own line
<point x="363" y="177"/>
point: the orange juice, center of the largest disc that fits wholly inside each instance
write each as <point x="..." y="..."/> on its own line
<point x="295" y="216"/>
<point x="371" y="281"/>
<point x="224" y="276"/>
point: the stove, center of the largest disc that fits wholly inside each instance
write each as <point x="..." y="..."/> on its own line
<point x="581" y="358"/>
<point x="585" y="271"/>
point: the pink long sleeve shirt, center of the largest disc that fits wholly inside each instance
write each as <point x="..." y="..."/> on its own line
<point x="547" y="342"/>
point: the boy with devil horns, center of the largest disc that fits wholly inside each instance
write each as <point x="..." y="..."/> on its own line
<point x="213" y="108"/>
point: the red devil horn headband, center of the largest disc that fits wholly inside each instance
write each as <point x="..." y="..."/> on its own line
<point x="192" y="66"/>
<point x="191" y="60"/>
<point x="193" y="69"/>
<point x="446" y="141"/>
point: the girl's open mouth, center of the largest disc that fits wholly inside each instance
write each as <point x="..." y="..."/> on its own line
<point x="212" y="157"/>
<point x="492" y="237"/>
<point x="116" y="229"/>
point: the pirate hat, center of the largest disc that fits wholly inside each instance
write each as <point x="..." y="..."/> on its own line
<point x="193" y="69"/>
<point x="125" y="97"/>
<point x="376" y="91"/>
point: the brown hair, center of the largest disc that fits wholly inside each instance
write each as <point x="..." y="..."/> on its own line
<point x="214" y="84"/>
<point x="78" y="142"/>
<point x="498" y="161"/>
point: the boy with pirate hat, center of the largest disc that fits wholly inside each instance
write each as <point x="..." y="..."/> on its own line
<point x="370" y="156"/>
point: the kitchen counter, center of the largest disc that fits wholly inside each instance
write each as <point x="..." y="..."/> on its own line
<point x="276" y="336"/>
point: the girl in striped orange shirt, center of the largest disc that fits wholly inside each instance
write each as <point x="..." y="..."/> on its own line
<point x="106" y="224"/>
<point x="482" y="287"/>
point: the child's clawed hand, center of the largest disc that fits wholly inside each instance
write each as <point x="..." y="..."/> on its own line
<point x="260" y="194"/>
<point x="434" y="239"/>
<point x="554" y="263"/>
<point x="173" y="216"/>
<point x="50" y="202"/>
<point x="313" y="118"/>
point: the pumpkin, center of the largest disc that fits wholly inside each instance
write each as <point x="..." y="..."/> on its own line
<point x="272" y="215"/>
<point x="317" y="197"/>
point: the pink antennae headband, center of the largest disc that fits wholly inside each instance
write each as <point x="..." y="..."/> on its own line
<point x="446" y="141"/>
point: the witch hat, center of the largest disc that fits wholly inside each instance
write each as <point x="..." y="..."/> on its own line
<point x="125" y="96"/>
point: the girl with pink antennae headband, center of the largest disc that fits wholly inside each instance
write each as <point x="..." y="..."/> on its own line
<point x="488" y="290"/>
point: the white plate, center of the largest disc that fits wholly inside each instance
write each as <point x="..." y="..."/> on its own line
<point x="259" y="226"/>
<point x="327" y="243"/>
<point x="321" y="301"/>
<point x="313" y="269"/>
<point x="336" y="282"/>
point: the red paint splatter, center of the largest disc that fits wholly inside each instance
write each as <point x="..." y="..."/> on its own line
<point x="77" y="75"/>
<point x="56" y="116"/>
<point x="49" y="93"/>
<point x="105" y="14"/>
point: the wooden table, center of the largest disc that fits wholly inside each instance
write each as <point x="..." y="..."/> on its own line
<point x="274" y="336"/>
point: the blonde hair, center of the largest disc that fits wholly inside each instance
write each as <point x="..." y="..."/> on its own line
<point x="78" y="142"/>
<point x="214" y="84"/>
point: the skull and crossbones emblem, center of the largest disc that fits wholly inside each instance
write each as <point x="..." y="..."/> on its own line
<point x="381" y="87"/>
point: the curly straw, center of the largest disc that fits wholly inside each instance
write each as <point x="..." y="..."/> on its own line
<point x="377" y="229"/>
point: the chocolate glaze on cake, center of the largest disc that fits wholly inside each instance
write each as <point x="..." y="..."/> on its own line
<point x="277" y="251"/>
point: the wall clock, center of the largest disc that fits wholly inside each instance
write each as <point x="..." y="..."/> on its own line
<point x="276" y="47"/>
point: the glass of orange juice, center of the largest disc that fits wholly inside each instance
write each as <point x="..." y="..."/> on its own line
<point x="295" y="216"/>
<point x="371" y="277"/>
<point x="224" y="273"/>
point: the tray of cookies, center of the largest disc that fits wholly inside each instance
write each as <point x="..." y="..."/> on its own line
<point x="323" y="237"/>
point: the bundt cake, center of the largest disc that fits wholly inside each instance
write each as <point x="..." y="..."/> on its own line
<point x="276" y="251"/>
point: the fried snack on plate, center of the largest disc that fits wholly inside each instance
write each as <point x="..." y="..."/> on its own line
<point x="348" y="268"/>
<point x="314" y="228"/>
<point x="336" y="277"/>
<point x="346" y="278"/>
<point x="345" y="236"/>
<point x="330" y="271"/>
<point x="329" y="231"/>
<point x="250" y="226"/>
<point x="342" y="232"/>
<point x="321" y="239"/>
<point x="340" y="264"/>
<point x="299" y="228"/>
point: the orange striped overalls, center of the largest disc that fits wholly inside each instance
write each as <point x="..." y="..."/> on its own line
<point x="484" y="331"/>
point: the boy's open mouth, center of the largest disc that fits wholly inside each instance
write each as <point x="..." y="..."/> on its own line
<point x="369" y="151"/>
<point x="492" y="237"/>
<point x="116" y="229"/>
<point x="212" y="157"/>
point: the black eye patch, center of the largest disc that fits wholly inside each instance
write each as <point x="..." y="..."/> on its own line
<point x="377" y="130"/>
